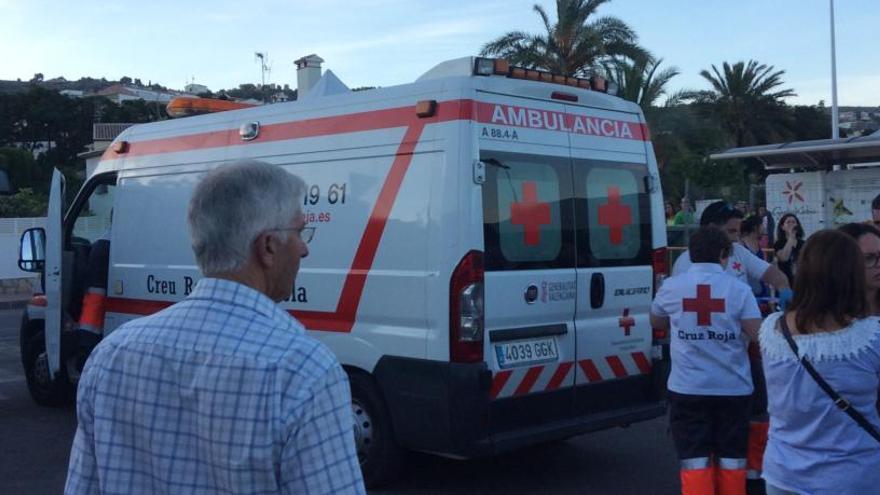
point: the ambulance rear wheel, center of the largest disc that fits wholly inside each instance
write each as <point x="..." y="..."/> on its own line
<point x="46" y="391"/>
<point x="378" y="453"/>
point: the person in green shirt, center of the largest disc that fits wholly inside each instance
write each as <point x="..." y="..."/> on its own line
<point x="685" y="216"/>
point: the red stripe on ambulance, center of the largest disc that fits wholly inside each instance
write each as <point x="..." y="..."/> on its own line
<point x="498" y="382"/>
<point x="342" y="320"/>
<point x="642" y="362"/>
<point x="525" y="386"/>
<point x="135" y="306"/>
<point x="616" y="366"/>
<point x="590" y="370"/>
<point x="559" y="376"/>
<point x="324" y="126"/>
<point x="520" y="381"/>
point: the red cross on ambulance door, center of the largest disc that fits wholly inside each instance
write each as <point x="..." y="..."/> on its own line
<point x="530" y="213"/>
<point x="615" y="215"/>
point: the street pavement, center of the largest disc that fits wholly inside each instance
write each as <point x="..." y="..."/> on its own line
<point x="35" y="443"/>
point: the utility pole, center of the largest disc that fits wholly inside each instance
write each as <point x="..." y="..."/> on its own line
<point x="835" y="121"/>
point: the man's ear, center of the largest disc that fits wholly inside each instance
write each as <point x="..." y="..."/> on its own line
<point x="265" y="249"/>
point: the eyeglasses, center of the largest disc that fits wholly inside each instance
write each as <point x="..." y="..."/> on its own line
<point x="306" y="234"/>
<point x="872" y="260"/>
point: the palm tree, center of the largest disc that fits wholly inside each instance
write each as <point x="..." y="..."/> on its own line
<point x="573" y="46"/>
<point x="748" y="100"/>
<point x="639" y="80"/>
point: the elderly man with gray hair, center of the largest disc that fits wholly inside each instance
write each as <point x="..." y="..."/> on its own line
<point x="222" y="392"/>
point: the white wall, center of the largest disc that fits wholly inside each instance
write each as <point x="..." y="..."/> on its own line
<point x="10" y="235"/>
<point x="824" y="200"/>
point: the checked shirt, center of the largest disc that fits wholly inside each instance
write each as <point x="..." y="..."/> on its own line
<point x="220" y="393"/>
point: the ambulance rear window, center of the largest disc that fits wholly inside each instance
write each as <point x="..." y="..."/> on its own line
<point x="527" y="212"/>
<point x="613" y="213"/>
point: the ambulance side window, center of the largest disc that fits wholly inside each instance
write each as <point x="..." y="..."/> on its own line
<point x="613" y="214"/>
<point x="527" y="214"/>
<point x="93" y="211"/>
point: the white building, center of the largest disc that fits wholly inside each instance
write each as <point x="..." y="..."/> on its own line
<point x="119" y="93"/>
<point x="195" y="89"/>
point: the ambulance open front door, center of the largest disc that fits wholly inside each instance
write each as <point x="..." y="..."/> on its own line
<point x="53" y="274"/>
<point x="530" y="286"/>
<point x="614" y="280"/>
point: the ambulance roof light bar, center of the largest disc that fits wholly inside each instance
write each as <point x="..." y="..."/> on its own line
<point x="501" y="67"/>
<point x="185" y="106"/>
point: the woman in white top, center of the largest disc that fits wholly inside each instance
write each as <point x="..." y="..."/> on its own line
<point x="814" y="447"/>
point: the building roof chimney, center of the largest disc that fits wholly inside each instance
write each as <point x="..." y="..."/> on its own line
<point x="308" y="72"/>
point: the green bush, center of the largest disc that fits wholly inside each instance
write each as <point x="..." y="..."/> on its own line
<point x="24" y="203"/>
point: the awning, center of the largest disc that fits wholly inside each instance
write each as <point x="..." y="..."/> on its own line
<point x="819" y="154"/>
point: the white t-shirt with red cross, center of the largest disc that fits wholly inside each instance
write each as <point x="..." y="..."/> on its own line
<point x="743" y="265"/>
<point x="705" y="307"/>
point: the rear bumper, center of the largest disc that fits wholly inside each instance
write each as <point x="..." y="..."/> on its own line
<point x="445" y="408"/>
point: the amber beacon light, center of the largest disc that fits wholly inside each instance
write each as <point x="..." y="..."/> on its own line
<point x="501" y="67"/>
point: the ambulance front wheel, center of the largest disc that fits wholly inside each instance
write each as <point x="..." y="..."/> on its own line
<point x="378" y="453"/>
<point x="45" y="390"/>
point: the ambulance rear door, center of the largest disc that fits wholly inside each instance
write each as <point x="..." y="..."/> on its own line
<point x="614" y="270"/>
<point x="530" y="281"/>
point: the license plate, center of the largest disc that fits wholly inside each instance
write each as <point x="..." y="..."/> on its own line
<point x="526" y="352"/>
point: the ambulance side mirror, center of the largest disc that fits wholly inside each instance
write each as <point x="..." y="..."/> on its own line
<point x="32" y="253"/>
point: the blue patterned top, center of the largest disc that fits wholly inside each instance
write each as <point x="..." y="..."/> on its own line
<point x="813" y="446"/>
<point x="220" y="393"/>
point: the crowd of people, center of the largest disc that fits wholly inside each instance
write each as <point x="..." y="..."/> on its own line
<point x="814" y="366"/>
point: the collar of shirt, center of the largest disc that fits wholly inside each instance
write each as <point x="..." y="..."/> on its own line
<point x="237" y="294"/>
<point x="706" y="268"/>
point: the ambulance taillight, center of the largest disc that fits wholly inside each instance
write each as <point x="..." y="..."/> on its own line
<point x="466" y="310"/>
<point x="659" y="337"/>
<point x="660" y="264"/>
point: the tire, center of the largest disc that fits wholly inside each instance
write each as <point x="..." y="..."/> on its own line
<point x="45" y="392"/>
<point x="379" y="455"/>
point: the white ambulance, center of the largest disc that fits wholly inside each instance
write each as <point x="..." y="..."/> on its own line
<point x="488" y="242"/>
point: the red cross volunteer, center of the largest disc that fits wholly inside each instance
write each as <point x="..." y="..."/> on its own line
<point x="711" y="316"/>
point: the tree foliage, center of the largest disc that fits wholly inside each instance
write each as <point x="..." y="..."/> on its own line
<point x="23" y="170"/>
<point x="747" y="99"/>
<point x="575" y="45"/>
<point x="640" y="80"/>
<point x="24" y="203"/>
<point x="41" y="129"/>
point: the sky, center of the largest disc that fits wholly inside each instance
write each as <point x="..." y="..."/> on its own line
<point x="390" y="42"/>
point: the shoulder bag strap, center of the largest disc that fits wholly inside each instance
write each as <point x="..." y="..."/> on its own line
<point x="839" y="401"/>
